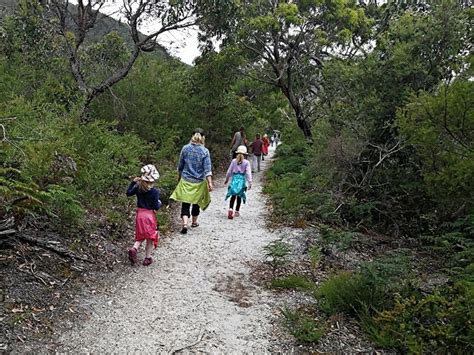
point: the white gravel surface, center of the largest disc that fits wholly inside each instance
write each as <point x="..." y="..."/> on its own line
<point x="196" y="297"/>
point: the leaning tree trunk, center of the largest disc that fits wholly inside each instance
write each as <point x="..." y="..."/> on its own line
<point x="304" y="125"/>
<point x="301" y="120"/>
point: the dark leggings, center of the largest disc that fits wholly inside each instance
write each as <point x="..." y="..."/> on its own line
<point x="185" y="210"/>
<point x="232" y="200"/>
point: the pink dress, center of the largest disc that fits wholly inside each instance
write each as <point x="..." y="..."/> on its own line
<point x="266" y="144"/>
<point x="146" y="226"/>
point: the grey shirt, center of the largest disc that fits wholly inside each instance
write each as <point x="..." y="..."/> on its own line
<point x="238" y="140"/>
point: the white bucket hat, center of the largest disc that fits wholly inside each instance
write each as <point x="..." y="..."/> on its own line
<point x="149" y="173"/>
<point x="242" y="149"/>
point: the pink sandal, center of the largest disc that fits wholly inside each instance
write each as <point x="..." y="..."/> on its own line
<point x="132" y="255"/>
<point x="147" y="261"/>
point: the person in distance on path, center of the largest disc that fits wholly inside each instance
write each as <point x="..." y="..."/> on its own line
<point x="257" y="146"/>
<point x="237" y="141"/>
<point x="266" y="144"/>
<point x="148" y="201"/>
<point x="240" y="173"/>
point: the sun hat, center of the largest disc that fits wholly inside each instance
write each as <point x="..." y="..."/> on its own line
<point x="242" y="149"/>
<point x="149" y="173"/>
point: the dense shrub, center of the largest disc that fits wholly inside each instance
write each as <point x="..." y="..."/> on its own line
<point x="440" y="322"/>
<point x="365" y="291"/>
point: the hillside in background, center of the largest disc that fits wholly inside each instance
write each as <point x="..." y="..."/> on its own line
<point x="104" y="26"/>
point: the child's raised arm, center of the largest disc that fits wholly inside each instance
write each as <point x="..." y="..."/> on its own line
<point x="132" y="188"/>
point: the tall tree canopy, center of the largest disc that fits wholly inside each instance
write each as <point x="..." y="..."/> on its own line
<point x="74" y="23"/>
<point x="287" y="43"/>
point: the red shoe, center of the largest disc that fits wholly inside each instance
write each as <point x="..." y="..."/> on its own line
<point x="132" y="255"/>
<point x="147" y="261"/>
<point x="230" y="214"/>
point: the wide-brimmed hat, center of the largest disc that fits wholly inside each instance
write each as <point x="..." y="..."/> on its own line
<point x="149" y="173"/>
<point x="242" y="149"/>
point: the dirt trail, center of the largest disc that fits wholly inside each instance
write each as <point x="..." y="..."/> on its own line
<point x="196" y="296"/>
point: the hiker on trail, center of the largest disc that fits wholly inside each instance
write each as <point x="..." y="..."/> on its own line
<point x="148" y="201"/>
<point x="195" y="180"/>
<point x="256" y="146"/>
<point x="241" y="179"/>
<point x="272" y="140"/>
<point x="266" y="144"/>
<point x="237" y="141"/>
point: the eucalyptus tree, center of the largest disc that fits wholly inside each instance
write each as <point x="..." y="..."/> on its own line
<point x="74" y="22"/>
<point x="287" y="43"/>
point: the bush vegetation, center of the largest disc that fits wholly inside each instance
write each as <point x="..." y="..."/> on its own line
<point x="303" y="326"/>
<point x="392" y="144"/>
<point x="392" y="154"/>
<point x="73" y="167"/>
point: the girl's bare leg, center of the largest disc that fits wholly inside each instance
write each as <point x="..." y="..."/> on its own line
<point x="148" y="248"/>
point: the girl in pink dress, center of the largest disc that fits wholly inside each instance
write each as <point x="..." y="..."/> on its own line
<point x="148" y="201"/>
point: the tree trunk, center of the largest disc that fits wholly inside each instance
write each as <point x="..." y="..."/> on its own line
<point x="301" y="120"/>
<point x="304" y="125"/>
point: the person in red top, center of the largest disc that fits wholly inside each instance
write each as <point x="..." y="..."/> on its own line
<point x="256" y="146"/>
<point x="266" y="144"/>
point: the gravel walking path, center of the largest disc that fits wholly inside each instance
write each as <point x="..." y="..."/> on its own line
<point x="196" y="296"/>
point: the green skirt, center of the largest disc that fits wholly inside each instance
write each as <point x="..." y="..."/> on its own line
<point x="194" y="193"/>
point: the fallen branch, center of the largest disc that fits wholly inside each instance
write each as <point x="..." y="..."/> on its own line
<point x="32" y="272"/>
<point x="7" y="232"/>
<point x="47" y="245"/>
<point x="199" y="339"/>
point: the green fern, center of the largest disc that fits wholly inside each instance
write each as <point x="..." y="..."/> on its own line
<point x="19" y="195"/>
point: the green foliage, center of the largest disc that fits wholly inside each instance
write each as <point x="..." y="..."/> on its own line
<point x="106" y="157"/>
<point x="314" y="254"/>
<point x="303" y="326"/>
<point x="343" y="240"/>
<point x="295" y="186"/>
<point x="295" y="282"/>
<point x="64" y="205"/>
<point x="444" y="122"/>
<point x="438" y="322"/>
<point x="24" y="35"/>
<point x="101" y="60"/>
<point x="277" y="253"/>
<point x="340" y="293"/>
<point x="18" y="194"/>
<point x="395" y="315"/>
<point x="366" y="291"/>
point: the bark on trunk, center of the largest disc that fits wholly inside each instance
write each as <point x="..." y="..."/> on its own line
<point x="302" y="122"/>
<point x="306" y="128"/>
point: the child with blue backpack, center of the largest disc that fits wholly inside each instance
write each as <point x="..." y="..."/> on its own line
<point x="240" y="173"/>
